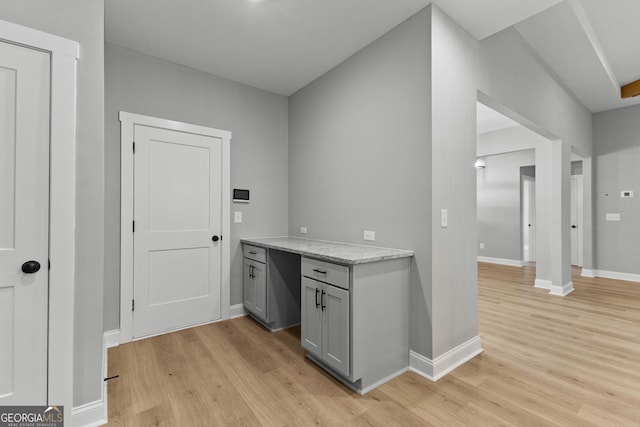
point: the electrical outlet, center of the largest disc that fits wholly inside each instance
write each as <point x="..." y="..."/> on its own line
<point x="303" y="230"/>
<point x="626" y="194"/>
<point x="237" y="217"/>
<point x="613" y="217"/>
<point x="369" y="235"/>
<point x="481" y="245"/>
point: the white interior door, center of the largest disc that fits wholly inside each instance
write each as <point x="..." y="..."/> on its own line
<point x="576" y="220"/>
<point x="24" y="221"/>
<point x="529" y="219"/>
<point x="177" y="212"/>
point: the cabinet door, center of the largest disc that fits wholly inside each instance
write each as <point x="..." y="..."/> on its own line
<point x="335" y="328"/>
<point x="311" y="316"/>
<point x="248" y="289"/>
<point x="260" y="289"/>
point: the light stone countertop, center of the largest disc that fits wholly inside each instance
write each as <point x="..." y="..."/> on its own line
<point x="344" y="253"/>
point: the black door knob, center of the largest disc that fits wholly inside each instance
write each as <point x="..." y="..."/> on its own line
<point x="574" y="226"/>
<point x="30" y="267"/>
<point x="215" y="238"/>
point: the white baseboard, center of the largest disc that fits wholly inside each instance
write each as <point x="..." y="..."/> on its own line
<point x="95" y="414"/>
<point x="112" y="338"/>
<point x="502" y="261"/>
<point x="236" y="311"/>
<point x="588" y="273"/>
<point x="89" y="415"/>
<point x="542" y="284"/>
<point x="629" y="277"/>
<point x="563" y="290"/>
<point x="442" y="365"/>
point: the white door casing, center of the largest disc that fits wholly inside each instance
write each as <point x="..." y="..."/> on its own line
<point x="577" y="248"/>
<point x="24" y="223"/>
<point x="529" y="219"/>
<point x="177" y="191"/>
<point x="62" y="142"/>
<point x="129" y="123"/>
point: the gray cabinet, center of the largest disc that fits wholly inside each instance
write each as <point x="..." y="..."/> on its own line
<point x="325" y="314"/>
<point x="255" y="282"/>
<point x="335" y="328"/>
<point x="271" y="286"/>
<point x="355" y="320"/>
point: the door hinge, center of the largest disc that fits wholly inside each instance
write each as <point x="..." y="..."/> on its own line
<point x="133" y="305"/>
<point x="134" y="147"/>
<point x="133" y="226"/>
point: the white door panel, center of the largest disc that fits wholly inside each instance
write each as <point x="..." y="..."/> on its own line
<point x="177" y="210"/>
<point x="24" y="220"/>
<point x="576" y="220"/>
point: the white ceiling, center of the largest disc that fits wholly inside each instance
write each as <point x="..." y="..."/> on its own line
<point x="276" y="45"/>
<point x="592" y="46"/>
<point x="282" y="45"/>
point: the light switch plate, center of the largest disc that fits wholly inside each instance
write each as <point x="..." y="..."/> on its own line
<point x="481" y="245"/>
<point x="444" y="220"/>
<point x="303" y="230"/>
<point x="613" y="217"/>
<point x="369" y="235"/>
<point x="237" y="217"/>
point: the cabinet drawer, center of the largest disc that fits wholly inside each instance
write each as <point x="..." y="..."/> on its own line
<point x="255" y="253"/>
<point x="334" y="274"/>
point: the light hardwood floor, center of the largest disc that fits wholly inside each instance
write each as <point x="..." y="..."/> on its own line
<point x="547" y="361"/>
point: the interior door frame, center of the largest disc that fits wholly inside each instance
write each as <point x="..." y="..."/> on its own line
<point x="127" y="124"/>
<point x="580" y="217"/>
<point x="62" y="194"/>
<point x="528" y="180"/>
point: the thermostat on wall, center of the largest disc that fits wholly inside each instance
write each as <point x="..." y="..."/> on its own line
<point x="240" y="196"/>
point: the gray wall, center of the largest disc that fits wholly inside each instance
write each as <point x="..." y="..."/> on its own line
<point x="360" y="153"/>
<point x="143" y="84"/>
<point x="386" y="140"/>
<point x="617" y="168"/>
<point x="499" y="205"/>
<point x="82" y="21"/>
<point x="454" y="83"/>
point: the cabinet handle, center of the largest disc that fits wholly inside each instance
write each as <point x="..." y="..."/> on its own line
<point x="319" y="271"/>
<point x="322" y="300"/>
<point x="252" y="253"/>
<point x="251" y="267"/>
<point x="317" y="304"/>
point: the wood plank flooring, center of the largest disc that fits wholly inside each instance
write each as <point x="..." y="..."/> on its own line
<point x="548" y="361"/>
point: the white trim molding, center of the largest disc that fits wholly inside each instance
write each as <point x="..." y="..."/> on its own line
<point x="542" y="284"/>
<point x="96" y="413"/>
<point x="90" y="415"/>
<point x="629" y="277"/>
<point x="62" y="196"/>
<point x="447" y="362"/>
<point x="236" y="310"/>
<point x="112" y="338"/>
<point x="128" y="122"/>
<point x="561" y="291"/>
<point x="502" y="261"/>
<point x="588" y="273"/>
